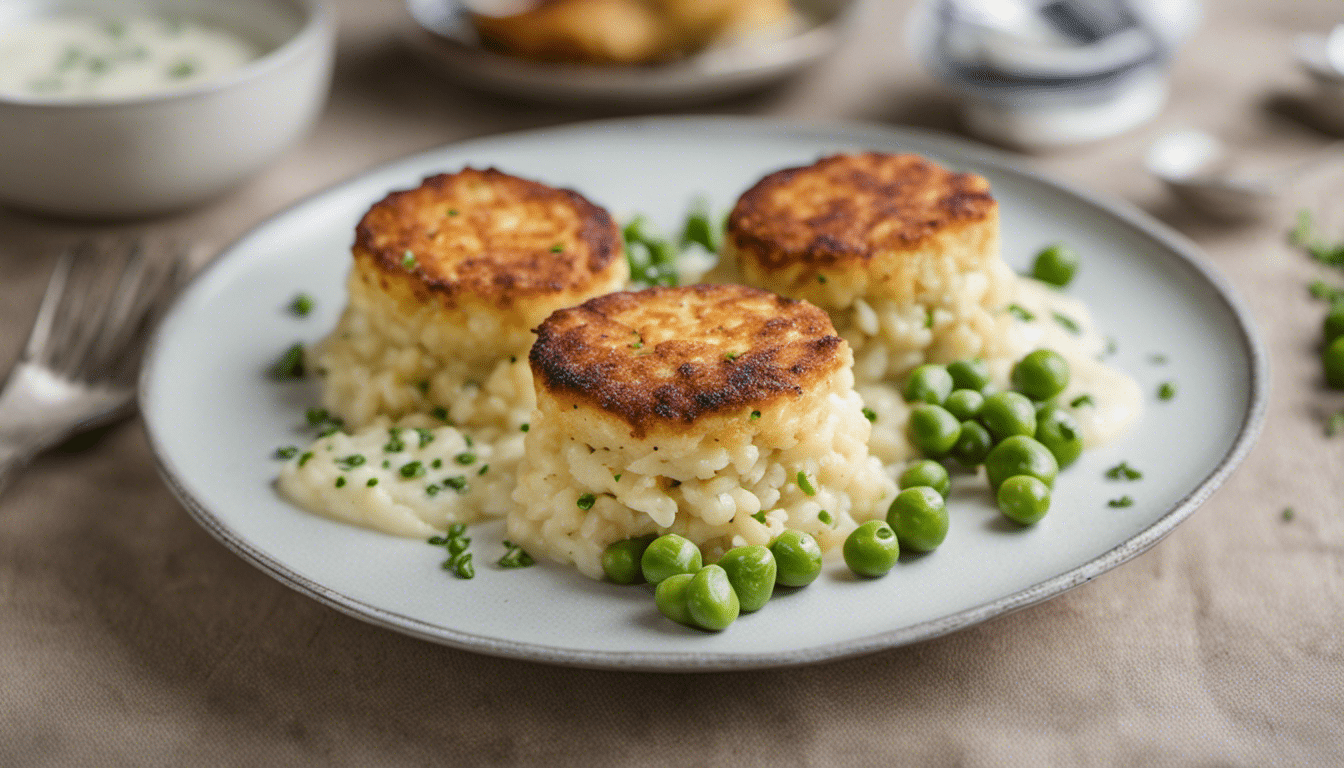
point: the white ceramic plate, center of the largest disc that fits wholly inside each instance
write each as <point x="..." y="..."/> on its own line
<point x="214" y="418"/>
<point x="444" y="38"/>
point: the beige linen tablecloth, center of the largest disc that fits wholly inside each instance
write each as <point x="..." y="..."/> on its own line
<point x="128" y="636"/>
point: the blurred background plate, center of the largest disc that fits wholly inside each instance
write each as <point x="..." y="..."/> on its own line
<point x="444" y="37"/>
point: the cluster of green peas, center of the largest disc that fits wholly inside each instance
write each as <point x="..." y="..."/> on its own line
<point x="1021" y="436"/>
<point x="712" y="596"/>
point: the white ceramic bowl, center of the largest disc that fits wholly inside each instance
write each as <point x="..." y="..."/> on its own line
<point x="154" y="154"/>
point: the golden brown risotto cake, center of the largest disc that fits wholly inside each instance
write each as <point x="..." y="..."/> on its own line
<point x="448" y="280"/>
<point x="723" y="413"/>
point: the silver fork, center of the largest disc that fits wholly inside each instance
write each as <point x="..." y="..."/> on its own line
<point x="78" y="369"/>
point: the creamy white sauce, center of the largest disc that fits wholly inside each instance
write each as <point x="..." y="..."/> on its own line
<point x="68" y="58"/>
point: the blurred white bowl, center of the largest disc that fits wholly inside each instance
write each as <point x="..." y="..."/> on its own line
<point x="158" y="153"/>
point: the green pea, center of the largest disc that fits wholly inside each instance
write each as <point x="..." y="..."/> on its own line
<point x="621" y="560"/>
<point x="1333" y="360"/>
<point x="919" y="518"/>
<point x="1334" y="323"/>
<point x="669" y="555"/>
<point x="965" y="404"/>
<point x="710" y="599"/>
<point x="926" y="472"/>
<point x="973" y="445"/>
<point x="1041" y="374"/>
<point x="1008" y="413"/>
<point x="1057" y="430"/>
<point x="933" y="430"/>
<point x="969" y="374"/>
<point x="670" y="597"/>
<point x="1024" y="499"/>
<point x="1056" y="265"/>
<point x="872" y="549"/>
<point x="929" y="383"/>
<point x="797" y="558"/>
<point x="752" y="572"/>
<point x="1020" y="455"/>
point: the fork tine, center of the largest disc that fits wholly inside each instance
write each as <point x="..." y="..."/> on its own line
<point x="71" y="314"/>
<point x="126" y="299"/>
<point x="156" y="289"/>
<point x="46" y="313"/>
<point x="104" y="273"/>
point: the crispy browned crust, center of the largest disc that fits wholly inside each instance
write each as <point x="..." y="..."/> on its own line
<point x="490" y="236"/>
<point x="668" y="356"/>
<point x="847" y="208"/>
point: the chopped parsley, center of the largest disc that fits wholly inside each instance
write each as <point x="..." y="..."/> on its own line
<point x="432" y="490"/>
<point x="1335" y="424"/>
<point x="340" y="481"/>
<point x="372" y="482"/>
<point x="928" y="319"/>
<point x="302" y="305"/>
<point x="1020" y="312"/>
<point x="755" y="415"/>
<point x="456" y="482"/>
<point x="408" y="260"/>
<point x="870" y="414"/>
<point x="348" y="463"/>
<point x="825" y="517"/>
<point x="436" y="464"/>
<point x="616" y="477"/>
<point x="465" y="458"/>
<point x="305" y="457"/>
<point x="525" y="427"/>
<point x="394" y="443"/>
<point x="557" y="248"/>
<point x="805" y="483"/>
<point x="730" y="356"/>
<point x="440" y="413"/>
<point x="1067" y="323"/>
<point x="1166" y="390"/>
<point x="426" y="436"/>
<point x="1111" y="346"/>
<point x="460" y="565"/>
<point x="289" y="365"/>
<point x="412" y="469"/>
<point x="821" y="279"/>
<point x="423" y="386"/>
<point x="515" y="557"/>
<point x="484" y="468"/>
<point x="586" y="501"/>
<point x="1123" y="471"/>
<point x="1287" y="514"/>
<point x="1123" y="501"/>
<point x="452" y="211"/>
<point x="1157" y="358"/>
<point x="286" y="452"/>
<point x="759" y="517"/>
<point x="1082" y="400"/>
<point x="183" y="69"/>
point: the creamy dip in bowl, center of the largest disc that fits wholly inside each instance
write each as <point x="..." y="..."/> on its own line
<point x="119" y="110"/>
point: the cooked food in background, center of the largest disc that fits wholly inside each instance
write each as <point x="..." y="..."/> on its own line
<point x="627" y="31"/>
<point x="449" y="278"/>
<point x="448" y="281"/>
<point x="904" y="255"/>
<point x="721" y="413"/>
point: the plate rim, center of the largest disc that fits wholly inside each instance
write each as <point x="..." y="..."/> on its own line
<point x="1186" y="254"/>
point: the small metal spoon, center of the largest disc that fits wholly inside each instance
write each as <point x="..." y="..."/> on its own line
<point x="1197" y="168"/>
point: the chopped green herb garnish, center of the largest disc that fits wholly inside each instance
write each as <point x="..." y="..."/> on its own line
<point x="525" y="427"/>
<point x="1123" y="501"/>
<point x="1123" y="471"/>
<point x="457" y="483"/>
<point x="182" y="69"/>
<point x="870" y="414"/>
<point x="408" y="260"/>
<point x="423" y="386"/>
<point x="730" y="356"/>
<point x="452" y="211"/>
<point x="464" y="569"/>
<point x="394" y="443"/>
<point x="286" y="452"/>
<point x="440" y="413"/>
<point x="426" y="436"/>
<point x="330" y="429"/>
<point x="350" y="462"/>
<point x="1111" y="346"/>
<point x="1082" y="400"/>
<point x="698" y="227"/>
<point x="387" y="464"/>
<point x="616" y="477"/>
<point x="586" y="501"/>
<point x="340" y="481"/>
<point x="1067" y="323"/>
<point x="1335" y="424"/>
<point x="290" y="364"/>
<point x="1157" y="358"/>
<point x="1020" y="312"/>
<point x="755" y="415"/>
<point x="432" y="490"/>
<point x="412" y="469"/>
<point x="302" y="305"/>
<point x="436" y="464"/>
<point x="316" y="416"/>
<point x="759" y="516"/>
<point x="114" y="29"/>
<point x="484" y="468"/>
<point x="305" y="457"/>
<point x="821" y="279"/>
<point x="928" y="319"/>
<point x="1166" y="390"/>
<point x="467" y="439"/>
<point x="557" y="248"/>
<point x="465" y="458"/>
<point x="515" y="557"/>
<point x="825" y="517"/>
<point x="805" y="483"/>
<point x="372" y="482"/>
<point x="1287" y="514"/>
